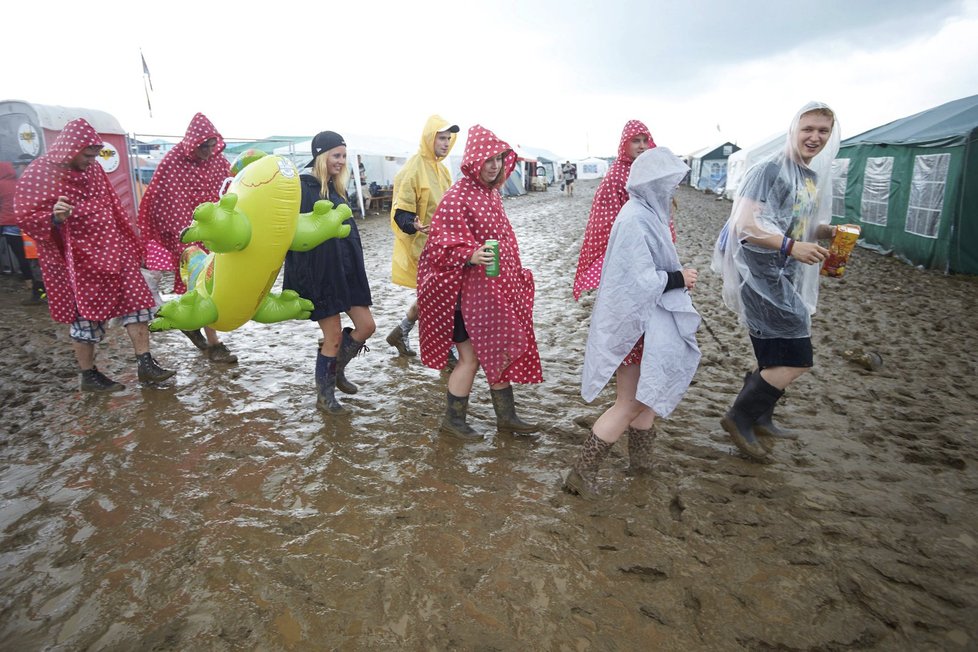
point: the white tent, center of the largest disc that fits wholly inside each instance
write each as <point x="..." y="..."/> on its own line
<point x="741" y="160"/>
<point x="591" y="168"/>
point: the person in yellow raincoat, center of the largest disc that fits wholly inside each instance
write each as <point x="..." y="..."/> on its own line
<point x="418" y="188"/>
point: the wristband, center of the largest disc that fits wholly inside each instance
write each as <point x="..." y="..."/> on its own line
<point x="791" y="243"/>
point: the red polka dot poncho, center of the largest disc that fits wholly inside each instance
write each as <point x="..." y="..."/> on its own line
<point x="608" y="200"/>
<point x="498" y="312"/>
<point x="180" y="183"/>
<point x="91" y="261"/>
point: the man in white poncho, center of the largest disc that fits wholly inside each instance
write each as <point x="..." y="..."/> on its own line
<point x="769" y="258"/>
<point x="642" y="303"/>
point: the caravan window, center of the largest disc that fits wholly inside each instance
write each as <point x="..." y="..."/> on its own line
<point x="589" y="168"/>
<point x="840" y="175"/>
<point x="876" y="190"/>
<point x="927" y="194"/>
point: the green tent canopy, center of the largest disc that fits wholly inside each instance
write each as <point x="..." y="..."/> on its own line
<point x="912" y="185"/>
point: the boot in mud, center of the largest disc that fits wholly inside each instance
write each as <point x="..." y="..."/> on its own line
<point x="641" y="445"/>
<point x="454" y="424"/>
<point x="766" y="430"/>
<point x="220" y="353"/>
<point x="583" y="476"/>
<point x="197" y="338"/>
<point x="149" y="371"/>
<point x="398" y="338"/>
<point x="93" y="380"/>
<point x="349" y="349"/>
<point x="506" y="418"/>
<point x="326" y="386"/>
<point x="756" y="398"/>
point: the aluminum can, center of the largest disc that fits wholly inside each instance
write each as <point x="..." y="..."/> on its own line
<point x="492" y="269"/>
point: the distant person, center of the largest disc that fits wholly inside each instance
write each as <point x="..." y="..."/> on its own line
<point x="643" y="327"/>
<point x="332" y="275"/>
<point x="89" y="253"/>
<point x="769" y="257"/>
<point x="14" y="239"/>
<point x="418" y="187"/>
<point x="488" y="318"/>
<point x="610" y="196"/>
<point x="190" y="174"/>
<point x="569" y="173"/>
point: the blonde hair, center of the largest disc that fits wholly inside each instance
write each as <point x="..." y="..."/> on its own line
<point x="340" y="181"/>
<point x="825" y="112"/>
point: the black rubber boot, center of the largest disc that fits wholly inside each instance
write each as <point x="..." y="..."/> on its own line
<point x="506" y="418"/>
<point x="197" y="338"/>
<point x="326" y="386"/>
<point x="149" y="371"/>
<point x="641" y="449"/>
<point x="582" y="478"/>
<point x="756" y="398"/>
<point x="765" y="425"/>
<point x="349" y="349"/>
<point x="454" y="424"/>
<point x="93" y="380"/>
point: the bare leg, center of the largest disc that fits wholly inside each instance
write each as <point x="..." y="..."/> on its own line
<point x="626" y="410"/>
<point x="139" y="335"/>
<point x="412" y="313"/>
<point x="211" y="335"/>
<point x="363" y="323"/>
<point x="463" y="375"/>
<point x="781" y="377"/>
<point x="84" y="354"/>
<point x="332" y="334"/>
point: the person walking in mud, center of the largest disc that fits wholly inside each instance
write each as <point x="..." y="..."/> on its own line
<point x="418" y="187"/>
<point x="89" y="253"/>
<point x="643" y="326"/>
<point x="469" y="295"/>
<point x="610" y="196"/>
<point x="569" y="173"/>
<point x="332" y="276"/>
<point x="768" y="255"/>
<point x="190" y="174"/>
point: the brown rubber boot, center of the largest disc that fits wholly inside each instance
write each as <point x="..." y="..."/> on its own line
<point x="506" y="418"/>
<point x="398" y="338"/>
<point x="454" y="424"/>
<point x="582" y="478"/>
<point x="641" y="444"/>
<point x="220" y="353"/>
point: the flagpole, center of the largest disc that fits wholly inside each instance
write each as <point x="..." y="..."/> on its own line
<point x="147" y="82"/>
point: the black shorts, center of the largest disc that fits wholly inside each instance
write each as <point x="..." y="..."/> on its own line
<point x="783" y="352"/>
<point x="459" y="334"/>
<point x="569" y="181"/>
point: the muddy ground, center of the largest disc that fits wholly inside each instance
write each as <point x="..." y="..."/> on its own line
<point x="222" y="511"/>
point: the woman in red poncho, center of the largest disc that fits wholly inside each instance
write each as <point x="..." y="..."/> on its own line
<point x="88" y="251"/>
<point x="608" y="200"/>
<point x="489" y="319"/>
<point x="190" y="174"/>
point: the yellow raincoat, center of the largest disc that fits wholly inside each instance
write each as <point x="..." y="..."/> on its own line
<point x="418" y="187"/>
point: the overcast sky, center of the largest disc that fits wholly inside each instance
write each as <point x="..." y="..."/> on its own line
<point x="563" y="76"/>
